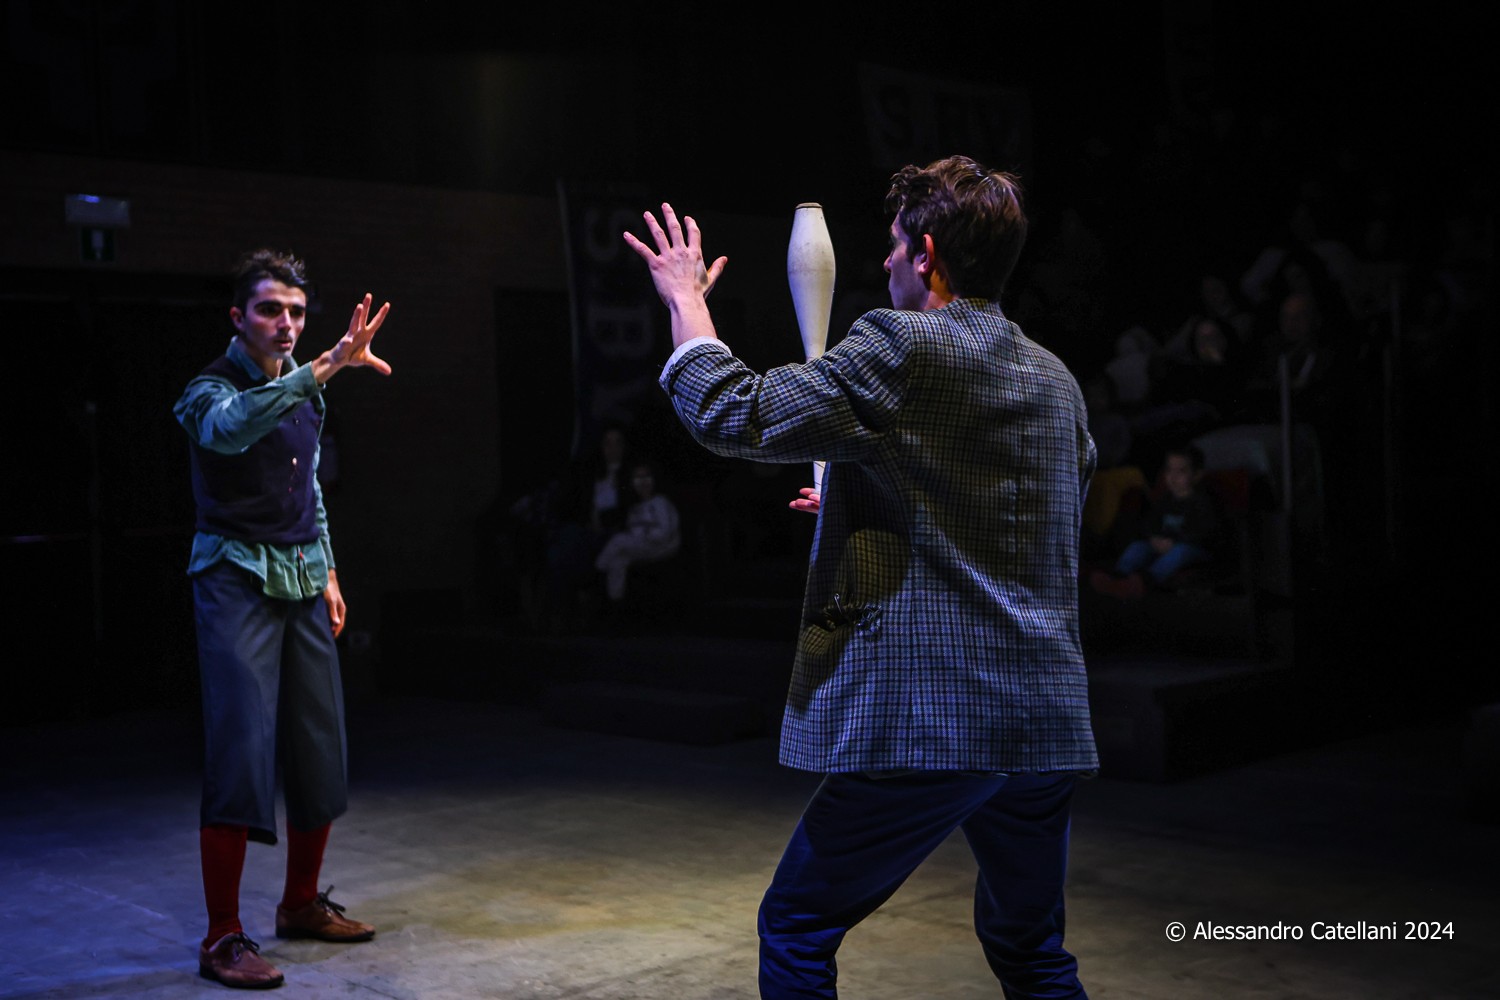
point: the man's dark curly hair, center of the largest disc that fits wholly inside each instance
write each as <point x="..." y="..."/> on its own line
<point x="256" y="266"/>
<point x="973" y="215"/>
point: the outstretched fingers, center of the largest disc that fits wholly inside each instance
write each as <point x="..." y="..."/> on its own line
<point x="361" y="325"/>
<point x="715" y="269"/>
<point x="374" y="324"/>
<point x="694" y="234"/>
<point x="379" y="364"/>
<point x="669" y="234"/>
<point x="641" y="249"/>
<point x="357" y="321"/>
<point x="669" y="216"/>
<point x="354" y="347"/>
<point x="654" y="228"/>
<point x="677" y="263"/>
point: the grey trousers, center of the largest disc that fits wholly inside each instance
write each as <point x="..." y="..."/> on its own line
<point x="271" y="687"/>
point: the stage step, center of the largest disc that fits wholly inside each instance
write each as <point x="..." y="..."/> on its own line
<point x="1158" y="720"/>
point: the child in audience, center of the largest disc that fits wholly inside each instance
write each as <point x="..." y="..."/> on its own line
<point x="1178" y="532"/>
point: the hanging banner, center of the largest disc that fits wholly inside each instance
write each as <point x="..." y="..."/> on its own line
<point x="619" y="334"/>
<point x="912" y="118"/>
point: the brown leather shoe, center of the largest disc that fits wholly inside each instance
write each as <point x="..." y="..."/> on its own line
<point x="234" y="960"/>
<point x="322" y="919"/>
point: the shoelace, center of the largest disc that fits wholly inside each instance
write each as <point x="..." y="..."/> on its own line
<point x="244" y="941"/>
<point x="327" y="903"/>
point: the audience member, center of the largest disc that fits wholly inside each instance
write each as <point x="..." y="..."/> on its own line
<point x="1130" y="369"/>
<point x="1203" y="388"/>
<point x="1179" y="531"/>
<point x="1310" y="364"/>
<point x="650" y="533"/>
<point x="1324" y="261"/>
<point x="1217" y="302"/>
<point x="590" y="506"/>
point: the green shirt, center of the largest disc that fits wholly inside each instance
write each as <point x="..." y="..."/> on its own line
<point x="221" y="418"/>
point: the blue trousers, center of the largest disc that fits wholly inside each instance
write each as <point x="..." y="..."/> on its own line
<point x="861" y="836"/>
<point x="1140" y="556"/>
<point x="270" y="673"/>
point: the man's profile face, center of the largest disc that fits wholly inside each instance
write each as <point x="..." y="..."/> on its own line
<point x="271" y="322"/>
<point x="907" y="287"/>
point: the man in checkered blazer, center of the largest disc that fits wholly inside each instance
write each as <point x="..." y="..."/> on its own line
<point x="939" y="681"/>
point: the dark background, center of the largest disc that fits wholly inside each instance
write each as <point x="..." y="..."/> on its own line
<point x="1182" y="134"/>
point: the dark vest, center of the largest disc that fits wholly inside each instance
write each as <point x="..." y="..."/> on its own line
<point x="265" y="493"/>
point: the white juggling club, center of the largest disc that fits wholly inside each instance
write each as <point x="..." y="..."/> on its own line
<point x="810" y="273"/>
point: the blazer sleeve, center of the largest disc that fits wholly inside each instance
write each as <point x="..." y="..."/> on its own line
<point x="836" y="407"/>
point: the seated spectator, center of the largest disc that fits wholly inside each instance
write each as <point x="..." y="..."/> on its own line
<point x="1179" y="531"/>
<point x="1314" y="369"/>
<point x="575" y="515"/>
<point x="1301" y="341"/>
<point x="650" y="534"/>
<point x="1304" y="260"/>
<point x="1130" y="367"/>
<point x="1217" y="302"/>
<point x="1207" y="376"/>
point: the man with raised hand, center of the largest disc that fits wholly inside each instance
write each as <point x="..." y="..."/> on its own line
<point x="939" y="680"/>
<point x="268" y="609"/>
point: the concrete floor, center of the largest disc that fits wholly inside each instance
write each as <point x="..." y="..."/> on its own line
<point x="504" y="858"/>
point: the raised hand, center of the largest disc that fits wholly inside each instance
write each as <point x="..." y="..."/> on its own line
<point x="353" y="349"/>
<point x="677" y="267"/>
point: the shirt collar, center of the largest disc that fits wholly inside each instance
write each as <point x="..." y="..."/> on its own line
<point x="241" y="357"/>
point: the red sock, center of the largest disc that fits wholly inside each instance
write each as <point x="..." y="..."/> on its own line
<point x="223" y="851"/>
<point x="304" y="859"/>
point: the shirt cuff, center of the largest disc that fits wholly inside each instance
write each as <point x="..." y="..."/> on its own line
<point x="689" y="345"/>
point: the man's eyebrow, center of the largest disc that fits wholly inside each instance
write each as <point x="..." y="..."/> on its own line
<point x="274" y="307"/>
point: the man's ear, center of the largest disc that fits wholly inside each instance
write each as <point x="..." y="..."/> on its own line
<point x="934" y="272"/>
<point x="237" y="318"/>
<point x="926" y="259"/>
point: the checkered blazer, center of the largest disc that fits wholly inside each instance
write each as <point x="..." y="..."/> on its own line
<point x="940" y="624"/>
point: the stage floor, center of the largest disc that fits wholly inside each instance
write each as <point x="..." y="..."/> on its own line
<point x="501" y="857"/>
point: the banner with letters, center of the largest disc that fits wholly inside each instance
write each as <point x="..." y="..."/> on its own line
<point x="911" y="118"/>
<point x="619" y="335"/>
